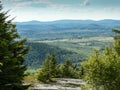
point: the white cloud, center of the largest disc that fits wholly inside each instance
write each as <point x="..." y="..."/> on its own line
<point x="26" y="10"/>
<point x="41" y="1"/>
<point x="31" y="2"/>
<point x="85" y="3"/>
<point x="10" y="0"/>
<point x="23" y="4"/>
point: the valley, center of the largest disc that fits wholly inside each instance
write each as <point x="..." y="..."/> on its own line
<point x="74" y="39"/>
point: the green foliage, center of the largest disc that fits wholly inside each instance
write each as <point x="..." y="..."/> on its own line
<point x="0" y="66"/>
<point x="117" y="41"/>
<point x="52" y="65"/>
<point x="29" y="79"/>
<point x="48" y="70"/>
<point x="12" y="55"/>
<point x="103" y="70"/>
<point x="41" y="75"/>
<point x="38" y="51"/>
<point x="67" y="70"/>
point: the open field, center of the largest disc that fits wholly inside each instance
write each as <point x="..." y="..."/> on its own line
<point x="78" y="40"/>
<point x="76" y="49"/>
<point x="83" y="46"/>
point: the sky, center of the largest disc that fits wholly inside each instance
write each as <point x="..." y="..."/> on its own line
<point x="50" y="10"/>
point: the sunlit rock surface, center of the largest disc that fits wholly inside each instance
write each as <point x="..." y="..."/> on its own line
<point x="61" y="84"/>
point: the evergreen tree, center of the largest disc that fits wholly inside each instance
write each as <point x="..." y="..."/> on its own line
<point x="46" y="67"/>
<point x="48" y="70"/>
<point x="12" y="53"/>
<point x="68" y="70"/>
<point x="52" y="66"/>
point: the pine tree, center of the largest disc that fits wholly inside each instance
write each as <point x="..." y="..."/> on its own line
<point x="68" y="70"/>
<point x="12" y="54"/>
<point x="53" y="65"/>
<point x="48" y="69"/>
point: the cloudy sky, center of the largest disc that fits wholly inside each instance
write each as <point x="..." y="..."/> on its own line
<point x="49" y="10"/>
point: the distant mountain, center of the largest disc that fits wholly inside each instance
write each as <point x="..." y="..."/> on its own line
<point x="71" y="24"/>
<point x="36" y="30"/>
<point x="34" y="22"/>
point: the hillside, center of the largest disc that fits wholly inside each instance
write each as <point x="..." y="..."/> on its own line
<point x="38" y="51"/>
<point x="36" y="30"/>
<point x="73" y="39"/>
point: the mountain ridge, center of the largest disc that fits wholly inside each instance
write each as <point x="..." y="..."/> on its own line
<point x="69" y="21"/>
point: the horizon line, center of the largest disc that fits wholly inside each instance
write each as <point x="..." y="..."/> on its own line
<point x="66" y="20"/>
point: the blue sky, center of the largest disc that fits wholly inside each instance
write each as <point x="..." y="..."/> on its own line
<point x="50" y="10"/>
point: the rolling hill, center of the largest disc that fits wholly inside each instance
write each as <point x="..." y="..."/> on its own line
<point x="73" y="39"/>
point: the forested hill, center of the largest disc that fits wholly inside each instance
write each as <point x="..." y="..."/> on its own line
<point x="36" y="30"/>
<point x="74" y="39"/>
<point x="38" y="51"/>
<point x="72" y="24"/>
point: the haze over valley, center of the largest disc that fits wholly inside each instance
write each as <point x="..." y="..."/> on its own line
<point x="75" y="39"/>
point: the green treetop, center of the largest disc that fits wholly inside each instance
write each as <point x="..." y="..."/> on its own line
<point x="48" y="69"/>
<point x="102" y="70"/>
